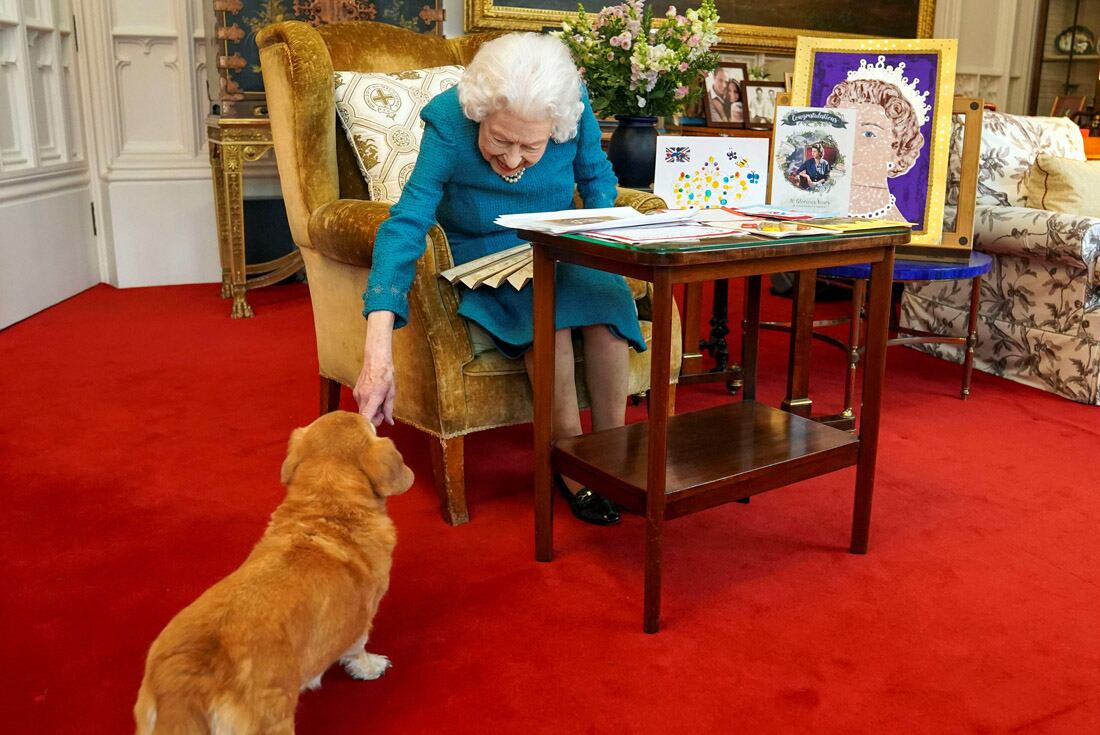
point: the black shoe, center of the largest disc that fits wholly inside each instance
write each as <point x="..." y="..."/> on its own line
<point x="589" y="506"/>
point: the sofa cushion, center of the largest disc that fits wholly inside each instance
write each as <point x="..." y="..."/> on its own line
<point x="381" y="116"/>
<point x="1064" y="185"/>
<point x="1010" y="144"/>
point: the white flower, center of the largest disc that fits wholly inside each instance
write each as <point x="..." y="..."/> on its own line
<point x="641" y="102"/>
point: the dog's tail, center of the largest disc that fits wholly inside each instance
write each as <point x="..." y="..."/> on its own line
<point x="167" y="715"/>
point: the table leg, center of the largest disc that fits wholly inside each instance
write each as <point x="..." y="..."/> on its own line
<point x="971" y="335"/>
<point x="543" y="389"/>
<point x="750" y="337"/>
<point x="218" y="175"/>
<point x="859" y="290"/>
<point x="693" y="359"/>
<point x="716" y="343"/>
<point x="659" y="375"/>
<point x="874" y="370"/>
<point x="802" y="326"/>
<point x="233" y="187"/>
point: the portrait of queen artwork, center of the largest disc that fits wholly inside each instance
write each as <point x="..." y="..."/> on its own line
<point x="901" y="91"/>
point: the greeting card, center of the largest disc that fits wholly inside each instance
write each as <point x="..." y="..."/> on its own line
<point x="702" y="172"/>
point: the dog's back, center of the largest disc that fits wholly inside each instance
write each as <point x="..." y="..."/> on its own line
<point x="220" y="666"/>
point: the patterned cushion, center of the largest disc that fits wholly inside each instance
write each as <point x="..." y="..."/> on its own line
<point x="1010" y="144"/>
<point x="381" y="116"/>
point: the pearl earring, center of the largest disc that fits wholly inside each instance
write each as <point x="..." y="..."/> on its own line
<point x="889" y="164"/>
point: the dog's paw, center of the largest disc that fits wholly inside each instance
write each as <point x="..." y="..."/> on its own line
<point x="366" y="665"/>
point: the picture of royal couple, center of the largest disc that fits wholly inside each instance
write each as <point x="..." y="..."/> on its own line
<point x="762" y="99"/>
<point x="725" y="98"/>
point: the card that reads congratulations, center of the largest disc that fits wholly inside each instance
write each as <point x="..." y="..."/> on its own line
<point x="812" y="165"/>
<point x="702" y="172"/>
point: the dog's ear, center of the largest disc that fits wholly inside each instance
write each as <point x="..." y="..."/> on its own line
<point x="293" y="456"/>
<point x="385" y="468"/>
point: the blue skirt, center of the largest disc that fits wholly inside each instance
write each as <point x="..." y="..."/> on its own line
<point x="583" y="297"/>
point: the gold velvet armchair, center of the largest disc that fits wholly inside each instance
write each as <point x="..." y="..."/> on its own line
<point x="443" y="388"/>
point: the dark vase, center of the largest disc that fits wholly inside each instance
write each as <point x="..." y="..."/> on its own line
<point x="633" y="150"/>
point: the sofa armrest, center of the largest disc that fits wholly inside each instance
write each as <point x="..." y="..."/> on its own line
<point x="1066" y="239"/>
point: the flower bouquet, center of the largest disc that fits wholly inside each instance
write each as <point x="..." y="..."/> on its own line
<point x="634" y="67"/>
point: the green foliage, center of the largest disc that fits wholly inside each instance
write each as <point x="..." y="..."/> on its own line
<point x="635" y="66"/>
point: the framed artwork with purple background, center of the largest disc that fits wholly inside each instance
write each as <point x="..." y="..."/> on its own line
<point x="902" y="91"/>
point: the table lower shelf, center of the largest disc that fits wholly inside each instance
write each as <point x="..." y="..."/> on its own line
<point x="715" y="456"/>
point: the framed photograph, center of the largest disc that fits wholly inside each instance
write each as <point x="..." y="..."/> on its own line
<point x="902" y="91"/>
<point x="762" y="98"/>
<point x="1066" y="105"/>
<point x="773" y="26"/>
<point x="725" y="95"/>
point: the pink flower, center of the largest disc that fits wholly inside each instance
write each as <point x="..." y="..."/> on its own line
<point x="683" y="66"/>
<point x="581" y="70"/>
<point x="610" y="55"/>
<point x="615" y="40"/>
<point x="671" y="12"/>
<point x="680" y="92"/>
<point x="694" y="41"/>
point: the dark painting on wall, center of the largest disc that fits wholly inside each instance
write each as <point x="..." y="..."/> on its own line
<point x="897" y="18"/>
<point x="771" y="24"/>
<point x="237" y="22"/>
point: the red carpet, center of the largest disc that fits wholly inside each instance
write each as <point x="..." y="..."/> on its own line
<point x="140" y="445"/>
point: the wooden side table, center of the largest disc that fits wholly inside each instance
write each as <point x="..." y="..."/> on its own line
<point x="670" y="467"/>
<point x="233" y="142"/>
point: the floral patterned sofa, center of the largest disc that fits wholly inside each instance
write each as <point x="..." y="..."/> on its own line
<point x="1039" y="320"/>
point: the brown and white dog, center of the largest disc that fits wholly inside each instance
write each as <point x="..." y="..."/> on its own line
<point x="234" y="660"/>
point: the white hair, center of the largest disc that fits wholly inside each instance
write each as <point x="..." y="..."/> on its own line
<point x="529" y="74"/>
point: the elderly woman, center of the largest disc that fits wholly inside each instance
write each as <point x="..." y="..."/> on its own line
<point x="515" y="136"/>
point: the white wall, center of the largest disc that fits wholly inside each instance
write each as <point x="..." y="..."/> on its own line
<point x="47" y="252"/>
<point x="147" y="78"/>
<point x="995" y="48"/>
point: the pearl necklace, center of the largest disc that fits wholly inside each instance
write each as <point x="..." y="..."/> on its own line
<point x="876" y="213"/>
<point x="513" y="178"/>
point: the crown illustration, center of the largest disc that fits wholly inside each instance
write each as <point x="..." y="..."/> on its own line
<point x="895" y="75"/>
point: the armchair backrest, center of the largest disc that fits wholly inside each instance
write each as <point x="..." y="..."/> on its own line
<point x="1010" y="144"/>
<point x="316" y="164"/>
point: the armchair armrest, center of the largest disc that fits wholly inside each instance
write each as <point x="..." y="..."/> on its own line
<point x="643" y="201"/>
<point x="344" y="229"/>
<point x="1067" y="239"/>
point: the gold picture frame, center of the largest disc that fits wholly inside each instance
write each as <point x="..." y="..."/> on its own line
<point x="499" y="15"/>
<point x="919" y="184"/>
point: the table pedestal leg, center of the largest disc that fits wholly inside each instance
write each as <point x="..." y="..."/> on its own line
<point x="874" y="370"/>
<point x="750" y="337"/>
<point x="659" y="374"/>
<point x="692" y="362"/>
<point x="859" y="290"/>
<point x="971" y="335"/>
<point x="543" y="389"/>
<point x="217" y="171"/>
<point x="798" y="399"/>
<point x="231" y="193"/>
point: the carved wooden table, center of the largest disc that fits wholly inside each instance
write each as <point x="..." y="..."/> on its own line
<point x="669" y="467"/>
<point x="234" y="142"/>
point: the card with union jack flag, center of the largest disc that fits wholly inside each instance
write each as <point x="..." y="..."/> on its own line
<point x="677" y="154"/>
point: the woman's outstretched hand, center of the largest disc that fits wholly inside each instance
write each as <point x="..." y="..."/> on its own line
<point x="375" y="389"/>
